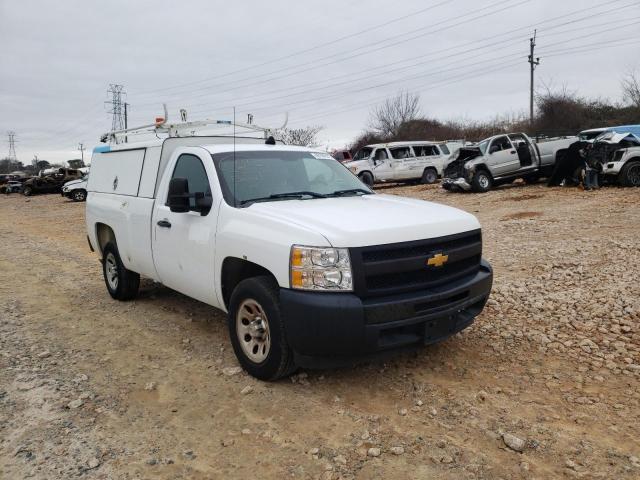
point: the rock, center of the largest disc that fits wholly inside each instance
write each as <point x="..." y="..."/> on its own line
<point x="340" y="459"/>
<point x="75" y="404"/>
<point x="482" y="395"/>
<point x="374" y="452"/>
<point x="44" y="354"/>
<point x="188" y="453"/>
<point x="93" y="463"/>
<point x="150" y="386"/>
<point x="231" y="371"/>
<point x="419" y="403"/>
<point x="151" y="461"/>
<point x="402" y="412"/>
<point x="446" y="459"/>
<point x="514" y="443"/>
<point x="397" y="450"/>
<point x="186" y="341"/>
<point x="246" y="390"/>
<point x="314" y="451"/>
<point x="227" y="442"/>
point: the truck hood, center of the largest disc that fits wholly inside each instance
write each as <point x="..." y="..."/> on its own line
<point x="370" y="219"/>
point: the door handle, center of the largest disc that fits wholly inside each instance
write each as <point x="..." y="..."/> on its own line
<point x="164" y="223"/>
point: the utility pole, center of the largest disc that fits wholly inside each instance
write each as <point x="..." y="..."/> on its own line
<point x="126" y="119"/>
<point x="81" y="148"/>
<point x="117" y="92"/>
<point x="12" y="146"/>
<point x="533" y="63"/>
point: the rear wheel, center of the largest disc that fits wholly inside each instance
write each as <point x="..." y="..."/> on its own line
<point x="79" y="196"/>
<point x="366" y="178"/>
<point x="122" y="284"/>
<point x="630" y="174"/>
<point x="531" y="179"/>
<point x="482" y="181"/>
<point x="430" y="175"/>
<point x="257" y="330"/>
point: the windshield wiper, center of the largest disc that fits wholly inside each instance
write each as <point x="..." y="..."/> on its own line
<point x="281" y="196"/>
<point x="349" y="191"/>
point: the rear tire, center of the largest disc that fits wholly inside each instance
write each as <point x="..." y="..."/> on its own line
<point x="366" y="178"/>
<point x="122" y="284"/>
<point x="257" y="331"/>
<point x="429" y="176"/>
<point x="482" y="181"/>
<point x="629" y="176"/>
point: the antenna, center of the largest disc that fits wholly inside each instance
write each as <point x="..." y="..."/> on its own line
<point x="235" y="200"/>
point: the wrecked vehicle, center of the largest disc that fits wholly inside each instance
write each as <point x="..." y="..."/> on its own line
<point x="619" y="155"/>
<point x="50" y="183"/>
<point x="76" y="190"/>
<point x="502" y="159"/>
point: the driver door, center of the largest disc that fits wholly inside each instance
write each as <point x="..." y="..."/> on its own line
<point x="502" y="158"/>
<point x="184" y="243"/>
<point x="382" y="168"/>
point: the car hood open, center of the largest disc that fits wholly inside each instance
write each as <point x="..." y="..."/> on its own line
<point x="370" y="219"/>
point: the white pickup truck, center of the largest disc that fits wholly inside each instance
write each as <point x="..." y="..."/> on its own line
<point x="306" y="260"/>
<point x="502" y="159"/>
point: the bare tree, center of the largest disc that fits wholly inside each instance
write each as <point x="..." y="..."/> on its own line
<point x="304" y="137"/>
<point x="631" y="88"/>
<point x="387" y="118"/>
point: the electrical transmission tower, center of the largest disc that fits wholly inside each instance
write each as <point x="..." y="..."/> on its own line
<point x="116" y="106"/>
<point x="12" y="146"/>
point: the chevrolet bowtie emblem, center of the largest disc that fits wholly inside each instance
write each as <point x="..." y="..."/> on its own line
<point x="437" y="260"/>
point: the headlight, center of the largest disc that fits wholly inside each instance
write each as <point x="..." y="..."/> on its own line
<point x="320" y="268"/>
<point x="353" y="169"/>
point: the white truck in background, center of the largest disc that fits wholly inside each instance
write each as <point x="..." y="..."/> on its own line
<point x="310" y="265"/>
<point x="401" y="161"/>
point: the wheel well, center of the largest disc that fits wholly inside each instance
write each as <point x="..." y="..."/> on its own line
<point x="365" y="171"/>
<point x="430" y="168"/>
<point x="104" y="234"/>
<point x="235" y="270"/>
<point x="484" y="168"/>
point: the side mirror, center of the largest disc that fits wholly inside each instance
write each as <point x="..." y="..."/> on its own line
<point x="178" y="198"/>
<point x="203" y="202"/>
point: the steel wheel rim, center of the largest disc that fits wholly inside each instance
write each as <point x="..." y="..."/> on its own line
<point x="431" y="177"/>
<point x="634" y="175"/>
<point x="252" y="330"/>
<point x="79" y="196"/>
<point x="111" y="271"/>
<point x="483" y="181"/>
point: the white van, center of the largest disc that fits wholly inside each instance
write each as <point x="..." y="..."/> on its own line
<point x="401" y="161"/>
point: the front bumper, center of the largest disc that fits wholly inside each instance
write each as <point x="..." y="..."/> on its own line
<point x="448" y="183"/>
<point x="339" y="327"/>
<point x="612" y="168"/>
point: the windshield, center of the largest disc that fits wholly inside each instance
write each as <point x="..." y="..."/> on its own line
<point x="483" y="146"/>
<point x="282" y="175"/>
<point x="363" y="153"/>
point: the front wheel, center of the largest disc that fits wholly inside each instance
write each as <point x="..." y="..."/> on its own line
<point x="257" y="330"/>
<point x="27" y="191"/>
<point x="79" y="195"/>
<point x="122" y="284"/>
<point x="429" y="176"/>
<point x="482" y="181"/>
<point x="366" y="178"/>
<point x="630" y="174"/>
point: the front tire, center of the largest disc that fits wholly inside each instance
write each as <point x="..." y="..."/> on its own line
<point x="366" y="178"/>
<point x="27" y="191"/>
<point x="122" y="284"/>
<point x="630" y="174"/>
<point x="79" y="195"/>
<point x="429" y="176"/>
<point x="482" y="181"/>
<point x="257" y="329"/>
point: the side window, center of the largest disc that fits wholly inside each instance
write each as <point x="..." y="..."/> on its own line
<point x="190" y="167"/>
<point x="381" y="154"/>
<point x="500" y="143"/>
<point x="445" y="149"/>
<point x="400" y="152"/>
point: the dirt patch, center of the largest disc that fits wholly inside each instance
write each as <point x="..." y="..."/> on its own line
<point x="521" y="215"/>
<point x="98" y="389"/>
<point x="522" y="198"/>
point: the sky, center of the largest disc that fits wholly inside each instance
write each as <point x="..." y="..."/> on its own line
<point x="324" y="63"/>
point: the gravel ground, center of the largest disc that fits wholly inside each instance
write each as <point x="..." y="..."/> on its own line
<point x="545" y="384"/>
